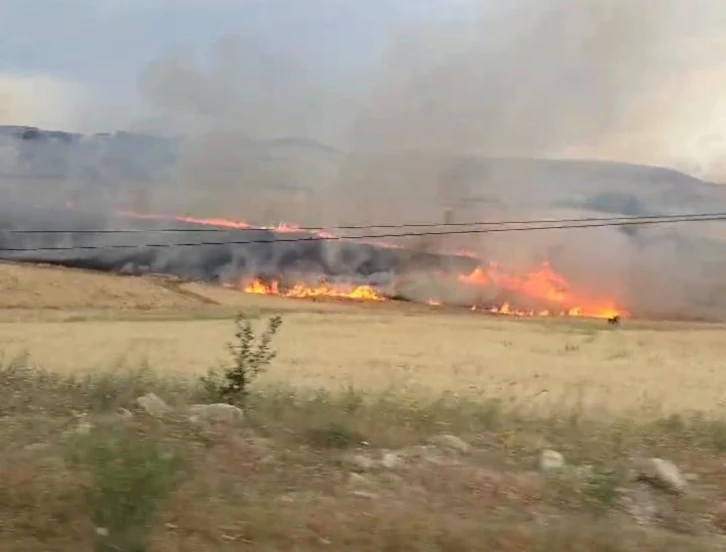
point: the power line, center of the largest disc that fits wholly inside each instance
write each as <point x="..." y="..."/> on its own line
<point x="703" y="218"/>
<point x="357" y="227"/>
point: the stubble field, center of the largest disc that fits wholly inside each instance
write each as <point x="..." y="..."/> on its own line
<point x="377" y="427"/>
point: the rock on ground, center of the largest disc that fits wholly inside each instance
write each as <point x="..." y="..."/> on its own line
<point x="83" y="428"/>
<point x="551" y="461"/>
<point x="218" y="412"/>
<point x="357" y="480"/>
<point x="391" y="460"/>
<point x="451" y="442"/>
<point x="153" y="405"/>
<point x="662" y="474"/>
<point x="430" y="454"/>
<point x="124" y="414"/>
<point x="359" y="462"/>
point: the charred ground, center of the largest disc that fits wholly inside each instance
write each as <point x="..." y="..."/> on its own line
<point x="213" y="256"/>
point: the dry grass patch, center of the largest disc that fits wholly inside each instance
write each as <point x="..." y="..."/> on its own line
<point x="348" y="447"/>
<point x="84" y="464"/>
<point x="635" y="367"/>
<point x="52" y="287"/>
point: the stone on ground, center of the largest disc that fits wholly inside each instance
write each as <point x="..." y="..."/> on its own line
<point x="218" y="412"/>
<point x="153" y="405"/>
<point x="662" y="474"/>
<point x="451" y="442"/>
<point x="551" y="461"/>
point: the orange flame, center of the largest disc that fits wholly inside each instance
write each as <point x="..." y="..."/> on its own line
<point x="543" y="286"/>
<point x="282" y="227"/>
<point x="302" y="291"/>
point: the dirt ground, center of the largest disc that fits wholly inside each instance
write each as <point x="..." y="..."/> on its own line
<point x="72" y="320"/>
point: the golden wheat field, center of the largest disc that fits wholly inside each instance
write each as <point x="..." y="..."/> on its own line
<point x="74" y="320"/>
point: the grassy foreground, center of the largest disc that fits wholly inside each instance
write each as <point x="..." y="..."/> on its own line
<point x="86" y="465"/>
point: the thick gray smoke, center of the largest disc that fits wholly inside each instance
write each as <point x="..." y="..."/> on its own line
<point x="458" y="124"/>
<point x="252" y="120"/>
<point x="459" y="117"/>
<point x="537" y="77"/>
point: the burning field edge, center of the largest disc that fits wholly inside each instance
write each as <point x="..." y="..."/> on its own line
<point x="542" y="285"/>
<point x="251" y="259"/>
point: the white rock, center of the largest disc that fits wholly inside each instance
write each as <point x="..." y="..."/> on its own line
<point x="83" y="428"/>
<point x="451" y="442"/>
<point x="365" y="494"/>
<point x="358" y="480"/>
<point x="662" y="474"/>
<point x="431" y="455"/>
<point x="551" y="461"/>
<point x="218" y="412"/>
<point x="359" y="462"/>
<point x="391" y="460"/>
<point x="153" y="405"/>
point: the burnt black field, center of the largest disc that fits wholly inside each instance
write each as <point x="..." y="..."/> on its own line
<point x="200" y="252"/>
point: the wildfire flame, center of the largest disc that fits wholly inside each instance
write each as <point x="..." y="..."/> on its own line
<point x="302" y="291"/>
<point x="542" y="286"/>
<point x="282" y="227"/>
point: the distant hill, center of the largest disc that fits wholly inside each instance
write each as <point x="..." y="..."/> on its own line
<point x="37" y="153"/>
<point x="522" y="184"/>
<point x="304" y="164"/>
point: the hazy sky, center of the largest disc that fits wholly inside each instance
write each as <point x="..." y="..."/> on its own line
<point x="59" y="58"/>
<point x="104" y="43"/>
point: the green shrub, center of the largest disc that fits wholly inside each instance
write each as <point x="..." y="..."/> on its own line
<point x="250" y="356"/>
<point x="131" y="473"/>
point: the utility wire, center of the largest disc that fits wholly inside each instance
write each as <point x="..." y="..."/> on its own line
<point x="703" y="218"/>
<point x="356" y="227"/>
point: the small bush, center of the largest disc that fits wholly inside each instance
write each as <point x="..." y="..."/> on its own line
<point x="250" y="356"/>
<point x="602" y="490"/>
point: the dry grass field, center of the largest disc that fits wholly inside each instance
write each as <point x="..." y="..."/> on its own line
<point x="376" y="427"/>
<point x="72" y="320"/>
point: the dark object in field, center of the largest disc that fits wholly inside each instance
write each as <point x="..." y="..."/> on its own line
<point x="614" y="320"/>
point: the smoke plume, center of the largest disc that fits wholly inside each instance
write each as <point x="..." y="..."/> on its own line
<point x="457" y="117"/>
<point x="540" y="109"/>
<point x="250" y="117"/>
